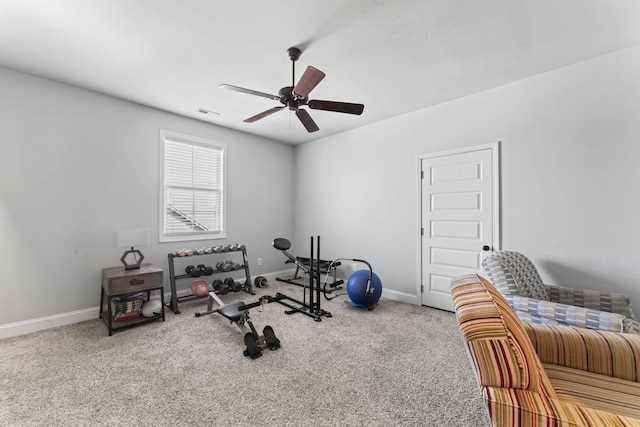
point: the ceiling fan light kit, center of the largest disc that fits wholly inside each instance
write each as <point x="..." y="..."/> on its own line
<point x="297" y="95"/>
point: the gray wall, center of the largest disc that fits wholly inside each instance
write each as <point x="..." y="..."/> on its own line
<point x="570" y="177"/>
<point x="75" y="166"/>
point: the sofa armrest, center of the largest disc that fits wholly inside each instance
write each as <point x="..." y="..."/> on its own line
<point x="568" y="315"/>
<point x="517" y="407"/>
<point x="631" y="325"/>
<point x="606" y="353"/>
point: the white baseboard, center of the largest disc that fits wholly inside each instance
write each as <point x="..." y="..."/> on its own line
<point x="41" y="323"/>
<point x="272" y="276"/>
<point x="386" y="293"/>
<point x="400" y="296"/>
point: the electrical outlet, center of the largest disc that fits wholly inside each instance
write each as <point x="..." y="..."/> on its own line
<point x="259" y="261"/>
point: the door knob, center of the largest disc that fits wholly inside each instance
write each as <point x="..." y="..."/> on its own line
<point x="486" y="248"/>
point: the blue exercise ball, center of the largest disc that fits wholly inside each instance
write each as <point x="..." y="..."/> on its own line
<point x="357" y="288"/>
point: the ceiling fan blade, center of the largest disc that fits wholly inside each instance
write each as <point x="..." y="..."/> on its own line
<point x="307" y="121"/>
<point x="249" y="91"/>
<point x="310" y="79"/>
<point x="338" y="107"/>
<point x="263" y="114"/>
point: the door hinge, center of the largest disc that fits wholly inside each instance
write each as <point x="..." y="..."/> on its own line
<point x="422" y="289"/>
<point x="422" y="174"/>
<point x="422" y="231"/>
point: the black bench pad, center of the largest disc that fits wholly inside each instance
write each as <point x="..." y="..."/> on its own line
<point x="231" y="312"/>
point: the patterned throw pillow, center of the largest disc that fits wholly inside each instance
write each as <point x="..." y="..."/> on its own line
<point x="525" y="276"/>
<point x="501" y="279"/>
<point x="518" y="272"/>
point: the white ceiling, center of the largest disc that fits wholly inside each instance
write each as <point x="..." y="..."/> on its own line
<point x="393" y="56"/>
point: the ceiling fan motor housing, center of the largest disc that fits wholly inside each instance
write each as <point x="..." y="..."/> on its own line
<point x="288" y="98"/>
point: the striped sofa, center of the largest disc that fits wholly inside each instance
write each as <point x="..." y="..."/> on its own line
<point x="546" y="375"/>
<point x="517" y="279"/>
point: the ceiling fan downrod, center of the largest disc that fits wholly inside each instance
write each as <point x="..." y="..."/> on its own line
<point x="294" y="54"/>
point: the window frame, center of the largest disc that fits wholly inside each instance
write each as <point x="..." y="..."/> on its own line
<point x="177" y="137"/>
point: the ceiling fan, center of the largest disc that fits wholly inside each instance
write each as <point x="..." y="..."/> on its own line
<point x="296" y="96"/>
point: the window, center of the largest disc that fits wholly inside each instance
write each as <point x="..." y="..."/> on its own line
<point x="192" y="188"/>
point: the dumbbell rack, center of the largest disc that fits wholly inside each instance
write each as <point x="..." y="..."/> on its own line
<point x="173" y="303"/>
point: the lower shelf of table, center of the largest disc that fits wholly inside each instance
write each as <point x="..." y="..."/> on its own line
<point x="120" y="324"/>
<point x="114" y="325"/>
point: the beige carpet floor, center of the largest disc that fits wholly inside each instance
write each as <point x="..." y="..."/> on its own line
<point x="398" y="365"/>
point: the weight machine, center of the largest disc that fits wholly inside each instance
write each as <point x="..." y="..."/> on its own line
<point x="313" y="268"/>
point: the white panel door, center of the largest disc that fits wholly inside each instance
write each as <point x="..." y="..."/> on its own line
<point x="459" y="218"/>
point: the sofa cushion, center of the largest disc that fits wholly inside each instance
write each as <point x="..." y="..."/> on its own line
<point x="611" y="354"/>
<point x="509" y="407"/>
<point x="595" y="391"/>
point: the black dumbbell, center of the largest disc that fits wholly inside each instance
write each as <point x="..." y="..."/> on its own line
<point x="220" y="265"/>
<point x="260" y="282"/>
<point x="217" y="285"/>
<point x="193" y="271"/>
<point x="235" y="287"/>
<point x="204" y="270"/>
<point x="224" y="289"/>
<point x="228" y="266"/>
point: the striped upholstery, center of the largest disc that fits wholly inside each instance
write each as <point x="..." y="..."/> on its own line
<point x="517" y="389"/>
<point x="497" y="350"/>
<point x="610" y="354"/>
<point x="522" y="408"/>
<point x="515" y="276"/>
<point x="595" y="391"/>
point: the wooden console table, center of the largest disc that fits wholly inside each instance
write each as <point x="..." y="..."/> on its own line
<point x="116" y="281"/>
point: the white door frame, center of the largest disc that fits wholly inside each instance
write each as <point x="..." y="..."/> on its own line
<point x="495" y="158"/>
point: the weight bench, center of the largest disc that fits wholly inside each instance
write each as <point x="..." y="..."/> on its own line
<point x="324" y="266"/>
<point x="238" y="314"/>
<point x="305" y="264"/>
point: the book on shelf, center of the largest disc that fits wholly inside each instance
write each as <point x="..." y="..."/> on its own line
<point x="126" y="316"/>
<point x="126" y="305"/>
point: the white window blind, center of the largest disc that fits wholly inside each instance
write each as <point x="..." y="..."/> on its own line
<point x="192" y="188"/>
